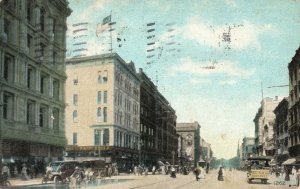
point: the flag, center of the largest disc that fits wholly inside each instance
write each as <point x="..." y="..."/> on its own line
<point x="106" y="20"/>
<point x="104" y="26"/>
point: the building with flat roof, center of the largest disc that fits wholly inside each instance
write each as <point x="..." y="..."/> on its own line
<point x="103" y="109"/>
<point x="190" y="142"/>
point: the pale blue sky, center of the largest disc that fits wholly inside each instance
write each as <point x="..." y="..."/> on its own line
<point x="264" y="36"/>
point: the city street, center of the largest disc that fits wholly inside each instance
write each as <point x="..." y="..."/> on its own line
<point x="233" y="180"/>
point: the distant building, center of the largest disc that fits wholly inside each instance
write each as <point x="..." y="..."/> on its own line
<point x="246" y="150"/>
<point x="264" y="121"/>
<point x="32" y="77"/>
<point x="294" y="106"/>
<point x="103" y="109"/>
<point x="281" y="135"/>
<point x="190" y="136"/>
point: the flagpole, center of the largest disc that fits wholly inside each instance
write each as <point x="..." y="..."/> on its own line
<point x="111" y="45"/>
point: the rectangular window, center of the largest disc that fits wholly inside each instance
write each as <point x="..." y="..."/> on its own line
<point x="30" y="77"/>
<point x="75" y="116"/>
<point x="105" y="114"/>
<point x="8" y="106"/>
<point x="30" y="114"/>
<point x="29" y="11"/>
<point x="8" y="72"/>
<point x="43" y="116"/>
<point x="74" y="138"/>
<point x="106" y="137"/>
<point x="98" y="114"/>
<point x="6" y="28"/>
<point x="29" y="43"/>
<point x="75" y="80"/>
<point x="44" y="83"/>
<point x="96" y="137"/>
<point x="105" y="97"/>
<point x="55" y="119"/>
<point x="42" y="20"/>
<point x="56" y="89"/>
<point x="75" y="99"/>
<point x="54" y="55"/>
<point x="99" y="97"/>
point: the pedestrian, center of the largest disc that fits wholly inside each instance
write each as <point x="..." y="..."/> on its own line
<point x="16" y="173"/>
<point x="109" y="170"/>
<point x="220" y="174"/>
<point x="197" y="172"/>
<point x="24" y="172"/>
<point x="294" y="176"/>
<point x="153" y="170"/>
<point x="5" y="171"/>
<point x="298" y="177"/>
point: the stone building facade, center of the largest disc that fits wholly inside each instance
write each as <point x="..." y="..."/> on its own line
<point x="32" y="77"/>
<point x="264" y="122"/>
<point x="281" y="135"/>
<point x="190" y="144"/>
<point x="294" y="106"/>
<point x="103" y="109"/>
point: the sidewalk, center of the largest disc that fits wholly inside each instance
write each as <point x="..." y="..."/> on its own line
<point x="19" y="182"/>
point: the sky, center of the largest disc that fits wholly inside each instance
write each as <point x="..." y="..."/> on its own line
<point x="212" y="60"/>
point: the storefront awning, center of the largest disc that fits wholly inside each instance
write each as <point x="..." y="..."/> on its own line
<point x="289" y="161"/>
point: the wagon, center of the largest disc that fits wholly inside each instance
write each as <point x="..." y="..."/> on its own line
<point x="258" y="168"/>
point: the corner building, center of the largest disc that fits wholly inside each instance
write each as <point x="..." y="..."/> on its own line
<point x="102" y="113"/>
<point x="32" y="77"/>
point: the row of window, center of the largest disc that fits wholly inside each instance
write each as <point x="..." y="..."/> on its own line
<point x="32" y="108"/>
<point x="33" y="44"/>
<point x="127" y="84"/>
<point x="100" y="79"/>
<point x="75" y="98"/>
<point x="101" y="137"/>
<point x="100" y="118"/>
<point x="47" y="85"/>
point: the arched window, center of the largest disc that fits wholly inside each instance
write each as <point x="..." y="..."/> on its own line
<point x="75" y="116"/>
<point x="99" y="77"/>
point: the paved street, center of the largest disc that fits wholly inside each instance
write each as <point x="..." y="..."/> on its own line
<point x="233" y="180"/>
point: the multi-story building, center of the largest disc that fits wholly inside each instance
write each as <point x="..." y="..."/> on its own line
<point x="206" y="151"/>
<point x="149" y="153"/>
<point x="103" y="109"/>
<point x="258" y="139"/>
<point x="246" y="150"/>
<point x="264" y="121"/>
<point x="166" y="139"/>
<point x="190" y="134"/>
<point x="32" y="77"/>
<point x="281" y="135"/>
<point x="294" y="106"/>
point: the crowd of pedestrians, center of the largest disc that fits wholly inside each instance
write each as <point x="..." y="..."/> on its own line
<point x="23" y="170"/>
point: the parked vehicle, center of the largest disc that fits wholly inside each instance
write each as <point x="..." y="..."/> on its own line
<point x="258" y="168"/>
<point x="60" y="171"/>
<point x="94" y="169"/>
